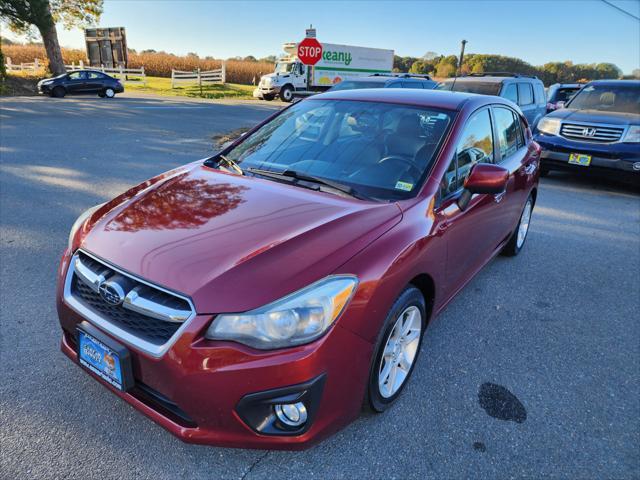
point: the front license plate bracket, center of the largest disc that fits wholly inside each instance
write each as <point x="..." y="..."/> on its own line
<point x="103" y="357"/>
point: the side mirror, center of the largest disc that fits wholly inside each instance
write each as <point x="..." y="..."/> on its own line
<point x="484" y="178"/>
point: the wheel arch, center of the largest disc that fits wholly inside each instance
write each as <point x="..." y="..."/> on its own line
<point x="425" y="283"/>
<point x="534" y="195"/>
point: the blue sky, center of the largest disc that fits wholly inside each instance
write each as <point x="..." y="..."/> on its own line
<point x="584" y="31"/>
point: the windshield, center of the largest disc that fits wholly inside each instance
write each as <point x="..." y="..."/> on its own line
<point x="380" y="150"/>
<point x="610" y="98"/>
<point x="351" y="85"/>
<point x="284" y="67"/>
<point x="483" y="88"/>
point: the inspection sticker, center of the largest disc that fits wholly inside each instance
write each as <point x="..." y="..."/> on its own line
<point x="407" y="187"/>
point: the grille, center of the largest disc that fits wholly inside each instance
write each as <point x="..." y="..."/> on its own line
<point x="149" y="329"/>
<point x="591" y="133"/>
<point x="141" y="324"/>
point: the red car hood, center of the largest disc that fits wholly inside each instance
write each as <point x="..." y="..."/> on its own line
<point x="232" y="243"/>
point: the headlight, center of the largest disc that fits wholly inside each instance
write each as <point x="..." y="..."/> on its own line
<point x="80" y="222"/>
<point x="550" y="126"/>
<point x="295" y="319"/>
<point x="46" y="82"/>
<point x="632" y="135"/>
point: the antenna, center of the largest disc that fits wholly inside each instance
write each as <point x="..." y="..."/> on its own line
<point x="459" y="69"/>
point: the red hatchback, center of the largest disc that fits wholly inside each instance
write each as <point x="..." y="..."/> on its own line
<point x="259" y="297"/>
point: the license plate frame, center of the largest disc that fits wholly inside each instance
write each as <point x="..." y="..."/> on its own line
<point x="580" y="159"/>
<point x="104" y="358"/>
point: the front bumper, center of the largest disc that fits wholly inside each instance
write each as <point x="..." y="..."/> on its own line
<point x="194" y="390"/>
<point x="261" y="92"/>
<point x="44" y="89"/>
<point x="613" y="158"/>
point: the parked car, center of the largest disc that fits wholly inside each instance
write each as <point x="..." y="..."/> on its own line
<point x="259" y="297"/>
<point x="386" y="81"/>
<point x="559" y="94"/>
<point x="598" y="131"/>
<point x="525" y="91"/>
<point x="81" y="82"/>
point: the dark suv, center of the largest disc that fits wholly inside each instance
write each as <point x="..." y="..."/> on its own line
<point x="404" y="80"/>
<point x="599" y="130"/>
<point x="525" y="91"/>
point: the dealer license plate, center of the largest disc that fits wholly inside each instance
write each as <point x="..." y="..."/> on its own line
<point x="100" y="359"/>
<point x="580" y="159"/>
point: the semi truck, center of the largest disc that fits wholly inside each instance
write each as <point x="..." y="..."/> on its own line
<point x="338" y="62"/>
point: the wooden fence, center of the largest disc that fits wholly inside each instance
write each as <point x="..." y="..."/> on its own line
<point x="136" y="75"/>
<point x="32" y="67"/>
<point x="198" y="77"/>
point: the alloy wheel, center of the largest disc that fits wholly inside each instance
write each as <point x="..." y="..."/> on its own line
<point x="400" y="351"/>
<point x="523" y="228"/>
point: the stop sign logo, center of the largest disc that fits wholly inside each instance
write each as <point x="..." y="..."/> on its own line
<point x="309" y="51"/>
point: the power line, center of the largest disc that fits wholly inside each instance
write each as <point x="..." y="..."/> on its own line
<point x="620" y="9"/>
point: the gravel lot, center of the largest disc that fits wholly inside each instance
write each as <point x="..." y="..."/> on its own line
<point x="532" y="371"/>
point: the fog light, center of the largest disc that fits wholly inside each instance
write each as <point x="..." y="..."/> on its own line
<point x="291" y="414"/>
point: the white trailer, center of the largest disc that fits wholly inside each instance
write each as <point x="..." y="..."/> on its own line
<point x="338" y="62"/>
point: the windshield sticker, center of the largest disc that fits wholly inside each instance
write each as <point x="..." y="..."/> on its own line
<point x="407" y="187"/>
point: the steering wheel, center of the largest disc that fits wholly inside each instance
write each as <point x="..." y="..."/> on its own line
<point x="415" y="171"/>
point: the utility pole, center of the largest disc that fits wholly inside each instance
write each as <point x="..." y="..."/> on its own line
<point x="464" y="42"/>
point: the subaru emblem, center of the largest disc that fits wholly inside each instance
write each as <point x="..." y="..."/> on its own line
<point x="111" y="292"/>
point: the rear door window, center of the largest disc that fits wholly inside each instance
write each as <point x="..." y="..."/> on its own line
<point x="525" y="94"/>
<point x="507" y="130"/>
<point x="511" y="92"/>
<point x="541" y="98"/>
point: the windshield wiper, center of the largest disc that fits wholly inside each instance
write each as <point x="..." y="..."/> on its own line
<point x="226" y="161"/>
<point x="292" y="174"/>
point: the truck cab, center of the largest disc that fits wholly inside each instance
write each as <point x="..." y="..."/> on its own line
<point x="288" y="76"/>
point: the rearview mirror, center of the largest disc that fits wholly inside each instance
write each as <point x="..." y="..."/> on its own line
<point x="484" y="178"/>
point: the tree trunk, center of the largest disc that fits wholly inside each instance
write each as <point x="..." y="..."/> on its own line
<point x="50" y="39"/>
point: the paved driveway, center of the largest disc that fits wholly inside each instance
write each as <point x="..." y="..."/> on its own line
<point x="532" y="371"/>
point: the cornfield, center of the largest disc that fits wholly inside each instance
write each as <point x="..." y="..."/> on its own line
<point x="155" y="64"/>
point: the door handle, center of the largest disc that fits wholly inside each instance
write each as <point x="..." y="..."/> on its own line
<point x="499" y="196"/>
<point x="443" y="227"/>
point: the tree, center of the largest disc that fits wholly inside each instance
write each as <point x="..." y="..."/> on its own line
<point x="25" y="16"/>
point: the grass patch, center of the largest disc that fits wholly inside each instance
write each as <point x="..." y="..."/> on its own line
<point x="162" y="86"/>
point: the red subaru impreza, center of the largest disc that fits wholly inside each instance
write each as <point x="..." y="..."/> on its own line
<point x="260" y="297"/>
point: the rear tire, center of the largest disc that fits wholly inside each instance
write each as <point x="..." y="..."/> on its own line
<point x="58" y="92"/>
<point x="101" y="95"/>
<point x="519" y="236"/>
<point x="286" y="94"/>
<point x="397" y="348"/>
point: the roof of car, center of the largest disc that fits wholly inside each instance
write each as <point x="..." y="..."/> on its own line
<point x="412" y="96"/>
<point x="490" y="79"/>
<point x="386" y="79"/>
<point x="635" y="83"/>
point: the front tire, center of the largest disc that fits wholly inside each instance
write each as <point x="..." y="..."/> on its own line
<point x="397" y="350"/>
<point x="58" y="92"/>
<point x="109" y="92"/>
<point x="286" y="94"/>
<point x="519" y="236"/>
